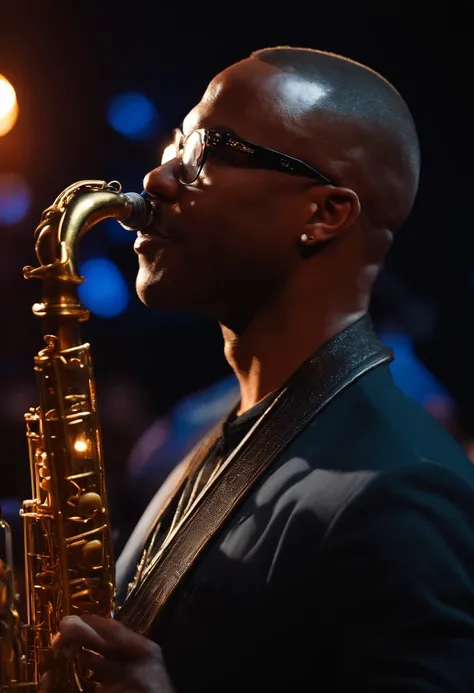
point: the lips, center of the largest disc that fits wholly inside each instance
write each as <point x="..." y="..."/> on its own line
<point x="155" y="231"/>
<point x="146" y="240"/>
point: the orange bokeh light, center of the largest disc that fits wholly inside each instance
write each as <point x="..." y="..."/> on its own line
<point x="8" y="106"/>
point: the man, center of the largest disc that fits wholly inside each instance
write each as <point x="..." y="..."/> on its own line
<point x="323" y="538"/>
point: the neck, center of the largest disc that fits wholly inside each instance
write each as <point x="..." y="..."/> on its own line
<point x="281" y="336"/>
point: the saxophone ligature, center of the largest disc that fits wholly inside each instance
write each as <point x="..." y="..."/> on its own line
<point x="68" y="552"/>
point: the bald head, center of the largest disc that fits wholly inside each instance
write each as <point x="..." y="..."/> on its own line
<point x="360" y="129"/>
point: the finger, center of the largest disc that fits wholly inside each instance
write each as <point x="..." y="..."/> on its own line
<point x="101" y="670"/>
<point x="45" y="683"/>
<point x="75" y="634"/>
<point x="123" y="642"/>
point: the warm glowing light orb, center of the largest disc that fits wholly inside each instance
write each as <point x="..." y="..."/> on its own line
<point x="80" y="445"/>
<point x="8" y="106"/>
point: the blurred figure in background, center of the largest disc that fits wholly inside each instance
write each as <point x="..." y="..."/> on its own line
<point x="169" y="439"/>
<point x="417" y="382"/>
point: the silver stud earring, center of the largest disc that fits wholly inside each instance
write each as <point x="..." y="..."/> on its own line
<point x="304" y="238"/>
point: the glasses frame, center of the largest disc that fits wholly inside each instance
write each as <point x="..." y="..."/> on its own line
<point x="268" y="158"/>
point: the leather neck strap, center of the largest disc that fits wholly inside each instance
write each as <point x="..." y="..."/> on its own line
<point x="336" y="365"/>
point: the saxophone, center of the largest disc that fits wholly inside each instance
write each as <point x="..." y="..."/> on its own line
<point x="69" y="567"/>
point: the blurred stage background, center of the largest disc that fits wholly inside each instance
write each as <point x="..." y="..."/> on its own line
<point x="99" y="90"/>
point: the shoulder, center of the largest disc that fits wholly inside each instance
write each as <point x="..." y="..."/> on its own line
<point x="395" y="576"/>
<point x="373" y="426"/>
<point x="414" y="520"/>
<point x="415" y="485"/>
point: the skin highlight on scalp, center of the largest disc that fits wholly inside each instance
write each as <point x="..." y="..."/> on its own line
<point x="363" y="119"/>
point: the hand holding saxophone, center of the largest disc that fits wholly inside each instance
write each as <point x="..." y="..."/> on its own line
<point x="119" y="659"/>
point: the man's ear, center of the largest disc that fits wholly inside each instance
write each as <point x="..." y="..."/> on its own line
<point x="330" y="214"/>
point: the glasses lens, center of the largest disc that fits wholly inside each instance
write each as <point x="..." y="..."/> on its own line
<point x="191" y="156"/>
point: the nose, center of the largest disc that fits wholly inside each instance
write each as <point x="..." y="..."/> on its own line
<point x="162" y="182"/>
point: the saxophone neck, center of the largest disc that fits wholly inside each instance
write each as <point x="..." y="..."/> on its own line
<point x="62" y="225"/>
<point x="77" y="209"/>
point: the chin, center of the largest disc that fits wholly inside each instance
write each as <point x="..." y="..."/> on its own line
<point x="153" y="295"/>
<point x="160" y="294"/>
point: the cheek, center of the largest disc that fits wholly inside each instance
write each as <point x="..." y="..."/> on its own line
<point x="246" y="242"/>
<point x="233" y="218"/>
<point x="262" y="234"/>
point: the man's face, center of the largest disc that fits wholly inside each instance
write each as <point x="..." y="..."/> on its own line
<point x="223" y="244"/>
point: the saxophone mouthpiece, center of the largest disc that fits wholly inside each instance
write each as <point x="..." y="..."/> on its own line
<point x="141" y="212"/>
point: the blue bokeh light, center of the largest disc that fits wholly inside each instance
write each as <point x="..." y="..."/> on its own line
<point x="133" y="115"/>
<point x="104" y="291"/>
<point x="15" y="198"/>
<point x="408" y="371"/>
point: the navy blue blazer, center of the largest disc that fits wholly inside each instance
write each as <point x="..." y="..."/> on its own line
<point x="348" y="567"/>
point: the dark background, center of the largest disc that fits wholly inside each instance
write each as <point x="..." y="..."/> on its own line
<point x="68" y="59"/>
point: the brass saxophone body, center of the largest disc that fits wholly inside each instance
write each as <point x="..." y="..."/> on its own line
<point x="69" y="566"/>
